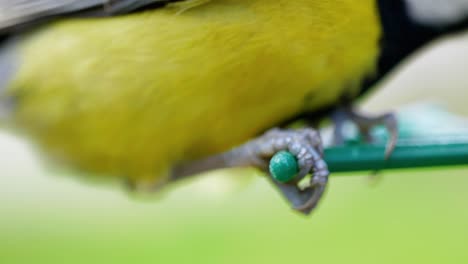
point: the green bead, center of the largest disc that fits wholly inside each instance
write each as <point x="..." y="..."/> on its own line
<point x="283" y="166"/>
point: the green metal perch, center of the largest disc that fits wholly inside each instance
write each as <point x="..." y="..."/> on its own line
<point x="428" y="136"/>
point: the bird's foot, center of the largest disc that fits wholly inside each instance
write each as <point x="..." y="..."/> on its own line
<point x="304" y="144"/>
<point x="365" y="124"/>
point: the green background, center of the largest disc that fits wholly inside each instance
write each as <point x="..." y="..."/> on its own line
<point x="408" y="216"/>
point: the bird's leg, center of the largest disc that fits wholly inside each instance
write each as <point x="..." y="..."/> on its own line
<point x="305" y="144"/>
<point x="365" y="124"/>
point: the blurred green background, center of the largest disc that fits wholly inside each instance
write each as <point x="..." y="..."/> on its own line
<point x="410" y="216"/>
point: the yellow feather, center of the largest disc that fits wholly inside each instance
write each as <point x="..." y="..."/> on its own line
<point x="135" y="94"/>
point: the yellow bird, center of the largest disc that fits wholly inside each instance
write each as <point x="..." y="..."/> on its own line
<point x="155" y="90"/>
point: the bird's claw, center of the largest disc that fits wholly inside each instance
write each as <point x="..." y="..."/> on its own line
<point x="315" y="191"/>
<point x="364" y="124"/>
<point x="306" y="146"/>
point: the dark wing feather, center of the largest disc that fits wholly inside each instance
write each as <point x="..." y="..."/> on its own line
<point x="15" y="13"/>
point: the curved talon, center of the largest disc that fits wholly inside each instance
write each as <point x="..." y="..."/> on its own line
<point x="391" y="124"/>
<point x="311" y="203"/>
<point x="317" y="187"/>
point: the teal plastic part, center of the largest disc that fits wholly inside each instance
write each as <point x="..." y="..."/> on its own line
<point x="283" y="166"/>
<point x="428" y="136"/>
